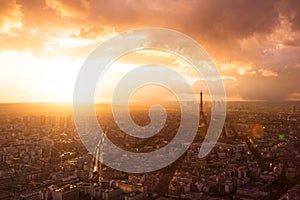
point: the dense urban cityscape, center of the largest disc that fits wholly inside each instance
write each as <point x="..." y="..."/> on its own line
<point x="256" y="157"/>
<point x="149" y="100"/>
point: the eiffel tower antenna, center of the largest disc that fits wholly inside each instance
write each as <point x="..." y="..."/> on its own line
<point x="202" y="116"/>
<point x="201" y="101"/>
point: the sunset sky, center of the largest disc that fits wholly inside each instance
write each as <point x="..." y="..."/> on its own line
<point x="255" y="44"/>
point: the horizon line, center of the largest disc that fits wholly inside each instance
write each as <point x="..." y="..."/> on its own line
<point x="109" y="102"/>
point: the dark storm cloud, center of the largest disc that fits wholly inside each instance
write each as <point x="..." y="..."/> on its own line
<point x="291" y="9"/>
<point x="215" y="23"/>
<point x="218" y="25"/>
<point x="215" y="19"/>
<point x="232" y="19"/>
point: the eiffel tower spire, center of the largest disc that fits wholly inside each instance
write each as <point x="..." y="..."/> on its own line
<point x="202" y="116"/>
<point x="201" y="101"/>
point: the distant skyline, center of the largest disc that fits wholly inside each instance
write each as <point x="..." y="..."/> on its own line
<point x="255" y="45"/>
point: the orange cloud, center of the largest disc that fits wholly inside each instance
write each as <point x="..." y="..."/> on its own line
<point x="255" y="42"/>
<point x="77" y="9"/>
<point x="10" y="17"/>
<point x="267" y="73"/>
<point x="237" y="68"/>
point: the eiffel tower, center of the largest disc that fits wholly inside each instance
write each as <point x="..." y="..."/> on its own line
<point x="202" y="122"/>
<point x="203" y="125"/>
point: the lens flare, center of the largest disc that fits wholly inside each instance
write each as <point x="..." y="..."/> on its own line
<point x="258" y="131"/>
<point x="281" y="137"/>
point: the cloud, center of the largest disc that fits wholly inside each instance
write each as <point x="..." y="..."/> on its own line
<point x="219" y="26"/>
<point x="95" y="32"/>
<point x="10" y="17"/>
<point x="230" y="85"/>
<point x="290" y="9"/>
<point x="271" y="88"/>
<point x="255" y="42"/>
<point x="229" y="20"/>
<point x="237" y="68"/>
<point x="77" y="9"/>
<point x="267" y="73"/>
<point x="225" y="19"/>
<point x="293" y="97"/>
